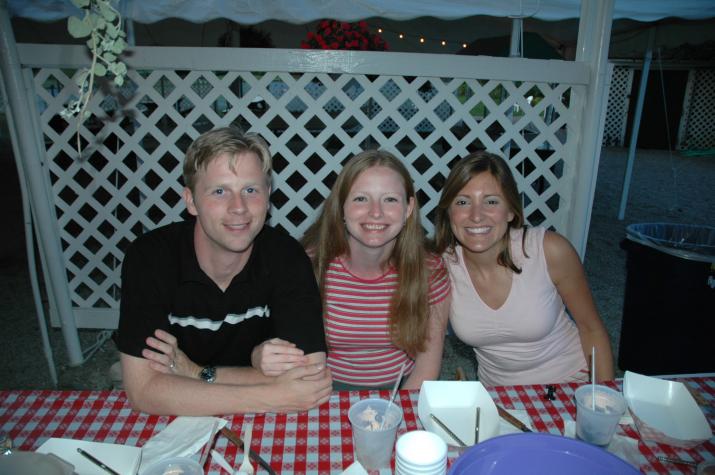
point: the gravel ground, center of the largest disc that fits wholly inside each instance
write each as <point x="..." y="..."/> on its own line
<point x="664" y="188"/>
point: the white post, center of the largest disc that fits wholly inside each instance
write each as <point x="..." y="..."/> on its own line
<point x="516" y="50"/>
<point x="516" y="46"/>
<point x="635" y="129"/>
<point x="30" y="248"/>
<point x="31" y="157"/>
<point x="594" y="32"/>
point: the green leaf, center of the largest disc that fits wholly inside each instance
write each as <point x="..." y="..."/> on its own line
<point x="78" y="28"/>
<point x="118" y="46"/>
<point x="119" y="80"/>
<point x="79" y="79"/>
<point x="112" y="31"/>
<point x="110" y="57"/>
<point x="107" y="11"/>
<point x="120" y="69"/>
<point x="99" y="70"/>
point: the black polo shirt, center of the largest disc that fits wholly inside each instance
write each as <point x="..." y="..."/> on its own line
<point x="275" y="295"/>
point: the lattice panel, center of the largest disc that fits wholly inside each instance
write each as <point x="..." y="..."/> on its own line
<point x="614" y="130"/>
<point x="129" y="178"/>
<point x="700" y="131"/>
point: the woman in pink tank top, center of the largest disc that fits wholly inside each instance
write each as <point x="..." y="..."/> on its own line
<point x="511" y="287"/>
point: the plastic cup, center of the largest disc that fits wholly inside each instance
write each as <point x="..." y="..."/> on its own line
<point x="706" y="467"/>
<point x="598" y="426"/>
<point x="373" y="440"/>
<point x="183" y="465"/>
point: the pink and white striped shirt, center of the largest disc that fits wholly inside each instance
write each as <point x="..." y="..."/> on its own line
<point x="357" y="323"/>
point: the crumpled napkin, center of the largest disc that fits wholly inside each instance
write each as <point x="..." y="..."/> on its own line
<point x="621" y="446"/>
<point x="183" y="437"/>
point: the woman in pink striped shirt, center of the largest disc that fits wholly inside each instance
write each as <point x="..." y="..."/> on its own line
<point x="386" y="300"/>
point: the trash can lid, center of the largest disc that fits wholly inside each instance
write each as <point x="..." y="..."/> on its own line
<point x="687" y="241"/>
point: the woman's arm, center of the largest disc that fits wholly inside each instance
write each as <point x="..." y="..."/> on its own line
<point x="568" y="275"/>
<point x="429" y="362"/>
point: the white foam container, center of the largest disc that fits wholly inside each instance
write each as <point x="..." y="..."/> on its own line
<point x="665" y="411"/>
<point x="455" y="403"/>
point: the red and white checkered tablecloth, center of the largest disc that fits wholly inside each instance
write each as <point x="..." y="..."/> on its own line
<point x="318" y="441"/>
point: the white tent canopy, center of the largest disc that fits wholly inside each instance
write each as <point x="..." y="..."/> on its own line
<point x="302" y="11"/>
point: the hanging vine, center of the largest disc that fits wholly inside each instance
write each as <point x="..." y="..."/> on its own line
<point x="101" y="23"/>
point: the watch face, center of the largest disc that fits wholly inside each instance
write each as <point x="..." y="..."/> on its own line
<point x="208" y="374"/>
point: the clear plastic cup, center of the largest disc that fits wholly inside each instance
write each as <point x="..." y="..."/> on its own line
<point x="373" y="440"/>
<point x="706" y="467"/>
<point x="596" y="423"/>
<point x="178" y="465"/>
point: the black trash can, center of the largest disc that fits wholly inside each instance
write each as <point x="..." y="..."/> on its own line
<point x="669" y="303"/>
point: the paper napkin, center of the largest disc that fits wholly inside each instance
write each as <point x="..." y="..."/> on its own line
<point x="123" y="459"/>
<point x="183" y="437"/>
<point x="355" y="469"/>
<point x="621" y="445"/>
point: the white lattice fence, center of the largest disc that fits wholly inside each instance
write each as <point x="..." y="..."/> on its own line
<point x="614" y="130"/>
<point x="700" y="129"/>
<point x="128" y="180"/>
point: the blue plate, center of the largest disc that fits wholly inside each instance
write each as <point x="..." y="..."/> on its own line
<point x="538" y="454"/>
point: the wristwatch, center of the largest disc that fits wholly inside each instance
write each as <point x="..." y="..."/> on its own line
<point x="208" y="374"/>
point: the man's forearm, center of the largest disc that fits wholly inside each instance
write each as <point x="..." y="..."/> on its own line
<point x="176" y="395"/>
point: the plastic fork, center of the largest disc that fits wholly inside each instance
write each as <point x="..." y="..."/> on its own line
<point x="246" y="466"/>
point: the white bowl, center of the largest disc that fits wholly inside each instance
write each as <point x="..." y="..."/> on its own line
<point x="665" y="411"/>
<point x="455" y="403"/>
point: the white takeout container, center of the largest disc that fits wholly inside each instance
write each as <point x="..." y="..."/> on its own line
<point x="665" y="411"/>
<point x="455" y="403"/>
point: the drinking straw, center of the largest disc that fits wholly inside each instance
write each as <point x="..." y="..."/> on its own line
<point x="394" y="393"/>
<point x="593" y="378"/>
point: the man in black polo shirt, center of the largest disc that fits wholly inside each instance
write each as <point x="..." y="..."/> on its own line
<point x="203" y="300"/>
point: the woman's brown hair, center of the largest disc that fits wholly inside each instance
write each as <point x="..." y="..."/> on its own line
<point x="463" y="171"/>
<point x="326" y="239"/>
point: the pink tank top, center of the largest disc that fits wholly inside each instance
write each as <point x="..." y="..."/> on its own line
<point x="530" y="339"/>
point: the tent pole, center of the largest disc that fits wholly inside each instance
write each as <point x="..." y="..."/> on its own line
<point x="515" y="51"/>
<point x="30" y="250"/>
<point x="33" y="166"/>
<point x="594" y="33"/>
<point x="635" y="128"/>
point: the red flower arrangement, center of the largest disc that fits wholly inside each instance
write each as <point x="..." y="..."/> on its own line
<point x="332" y="34"/>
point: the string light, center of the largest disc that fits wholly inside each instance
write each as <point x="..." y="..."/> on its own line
<point x="423" y="40"/>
